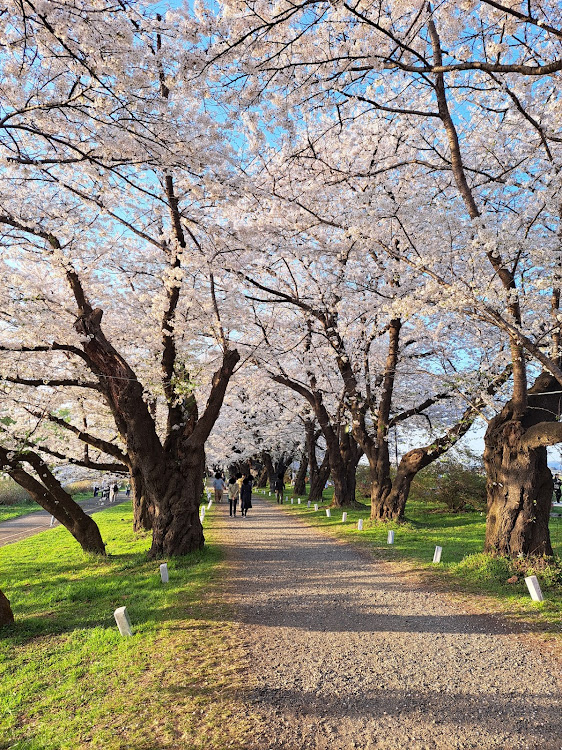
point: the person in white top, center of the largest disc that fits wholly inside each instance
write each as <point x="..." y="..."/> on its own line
<point x="220" y="486"/>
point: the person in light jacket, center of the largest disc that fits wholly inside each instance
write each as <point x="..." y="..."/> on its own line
<point x="233" y="495"/>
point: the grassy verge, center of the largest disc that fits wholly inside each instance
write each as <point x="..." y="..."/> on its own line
<point x="69" y="680"/>
<point x="464" y="568"/>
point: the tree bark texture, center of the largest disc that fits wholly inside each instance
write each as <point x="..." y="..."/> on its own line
<point x="6" y="614"/>
<point x="519" y="482"/>
<point x="143" y="509"/>
<point x="343" y="470"/>
<point x="300" y="480"/>
<point x="318" y="481"/>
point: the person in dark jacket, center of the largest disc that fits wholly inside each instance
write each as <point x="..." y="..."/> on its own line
<point x="246" y="495"/>
<point x="279" y="486"/>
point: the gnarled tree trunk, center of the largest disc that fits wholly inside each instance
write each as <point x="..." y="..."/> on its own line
<point x="300" y="479"/>
<point x="318" y="481"/>
<point x="6" y="614"/>
<point x="176" y="528"/>
<point x="519" y="482"/>
<point x="343" y="470"/>
<point x="143" y="508"/>
<point x="381" y="484"/>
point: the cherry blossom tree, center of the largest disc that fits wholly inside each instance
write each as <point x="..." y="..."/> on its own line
<point x="117" y="221"/>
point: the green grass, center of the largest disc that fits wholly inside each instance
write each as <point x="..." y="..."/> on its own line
<point x="68" y="680"/>
<point x="464" y="567"/>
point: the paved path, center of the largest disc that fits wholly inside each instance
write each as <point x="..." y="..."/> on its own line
<point x="34" y="523"/>
<point x="343" y="653"/>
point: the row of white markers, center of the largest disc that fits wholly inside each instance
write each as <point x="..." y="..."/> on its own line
<point x="531" y="581"/>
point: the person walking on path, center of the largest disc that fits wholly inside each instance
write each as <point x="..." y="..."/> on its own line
<point x="219" y="486"/>
<point x="246" y="495"/>
<point x="233" y="494"/>
<point x="279" y="486"/>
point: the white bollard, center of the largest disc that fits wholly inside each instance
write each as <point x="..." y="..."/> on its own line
<point x="286" y="498"/>
<point x="202" y="514"/>
<point x="437" y="554"/>
<point x="308" y="504"/>
<point x="390" y="538"/>
<point x="292" y="501"/>
<point x="209" y="505"/>
<point x="122" y="620"/>
<point x="360" y="524"/>
<point x="52" y="521"/>
<point x="298" y="501"/>
<point x="328" y="513"/>
<point x="344" y="517"/>
<point x="270" y="494"/>
<point x="315" y="506"/>
<point x="534" y="589"/>
<point x="164" y="573"/>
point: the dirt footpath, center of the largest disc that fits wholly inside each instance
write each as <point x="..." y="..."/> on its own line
<point x="342" y="654"/>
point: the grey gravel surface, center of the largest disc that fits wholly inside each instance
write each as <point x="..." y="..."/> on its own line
<point x="343" y="653"/>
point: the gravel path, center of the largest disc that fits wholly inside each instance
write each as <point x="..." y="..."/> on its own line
<point x="342" y="654"/>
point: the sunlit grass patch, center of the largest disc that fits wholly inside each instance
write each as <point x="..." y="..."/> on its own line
<point x="69" y="680"/>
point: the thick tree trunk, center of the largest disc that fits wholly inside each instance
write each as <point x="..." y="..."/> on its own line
<point x="395" y="503"/>
<point x="269" y="469"/>
<point x="300" y="480"/>
<point x="60" y="504"/>
<point x="381" y="484"/>
<point x="343" y="470"/>
<point x="318" y="481"/>
<point x="519" y="483"/>
<point x="176" y="528"/>
<point x="344" y="486"/>
<point x="6" y="614"/>
<point x="262" y="477"/>
<point x="143" y="508"/>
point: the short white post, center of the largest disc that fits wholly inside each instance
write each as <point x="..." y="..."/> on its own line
<point x="286" y="498"/>
<point x="270" y="494"/>
<point x="390" y="538"/>
<point x="534" y="589"/>
<point x="308" y="504"/>
<point x="344" y="517"/>
<point x="209" y="504"/>
<point x="315" y="506"/>
<point x="52" y="521"/>
<point x="164" y="573"/>
<point x="122" y="620"/>
<point x="292" y="501"/>
<point x="437" y="554"/>
<point x="328" y="512"/>
<point x="202" y="514"/>
<point x="298" y="501"/>
<point x="360" y="524"/>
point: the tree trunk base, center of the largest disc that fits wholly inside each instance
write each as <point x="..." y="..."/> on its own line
<point x="6" y="614"/>
<point x="519" y="492"/>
